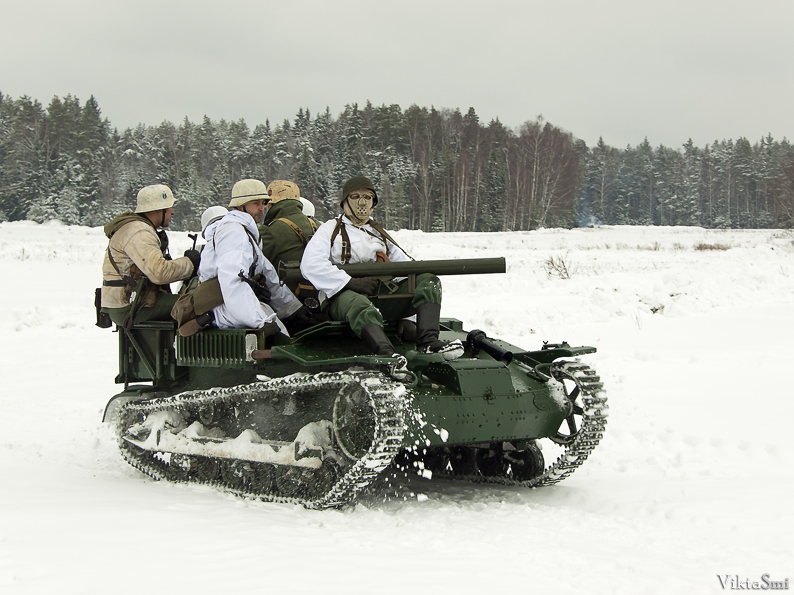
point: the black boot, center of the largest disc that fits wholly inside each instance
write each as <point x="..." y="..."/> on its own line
<point x="375" y="338"/>
<point x="428" y="316"/>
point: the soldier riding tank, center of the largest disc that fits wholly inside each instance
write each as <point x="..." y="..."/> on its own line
<point x="309" y="419"/>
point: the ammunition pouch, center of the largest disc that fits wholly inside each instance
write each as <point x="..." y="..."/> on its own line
<point x="102" y="318"/>
<point x="149" y="293"/>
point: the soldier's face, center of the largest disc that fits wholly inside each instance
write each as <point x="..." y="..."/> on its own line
<point x="255" y="208"/>
<point x="167" y="214"/>
<point x="359" y="204"/>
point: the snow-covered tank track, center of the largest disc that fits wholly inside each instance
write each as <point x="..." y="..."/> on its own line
<point x="212" y="437"/>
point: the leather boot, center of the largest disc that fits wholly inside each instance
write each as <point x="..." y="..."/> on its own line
<point x="191" y="327"/>
<point x="375" y="338"/>
<point x="428" y="316"/>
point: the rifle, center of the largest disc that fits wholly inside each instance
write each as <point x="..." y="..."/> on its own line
<point x="261" y="291"/>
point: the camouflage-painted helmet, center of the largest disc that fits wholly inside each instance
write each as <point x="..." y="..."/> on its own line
<point x="281" y="189"/>
<point x="154" y="198"/>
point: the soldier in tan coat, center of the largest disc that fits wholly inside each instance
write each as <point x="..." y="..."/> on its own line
<point x="137" y="268"/>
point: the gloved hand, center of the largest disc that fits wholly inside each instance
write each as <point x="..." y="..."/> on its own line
<point x="261" y="291"/>
<point x="363" y="285"/>
<point x="195" y="258"/>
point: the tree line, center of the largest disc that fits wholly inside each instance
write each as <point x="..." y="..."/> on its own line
<point x="726" y="184"/>
<point x="435" y="170"/>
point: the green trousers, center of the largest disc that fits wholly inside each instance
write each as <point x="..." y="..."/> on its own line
<point x="358" y="310"/>
<point x="161" y="310"/>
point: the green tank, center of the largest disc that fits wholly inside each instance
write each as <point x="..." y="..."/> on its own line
<point x="313" y="419"/>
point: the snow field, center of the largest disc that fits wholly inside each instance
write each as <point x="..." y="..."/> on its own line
<point x="693" y="478"/>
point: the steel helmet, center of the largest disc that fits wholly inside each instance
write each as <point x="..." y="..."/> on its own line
<point x="281" y="189"/>
<point x="154" y="198"/>
<point x="307" y="207"/>
<point x="247" y="190"/>
<point x="210" y="215"/>
<point x="355" y="183"/>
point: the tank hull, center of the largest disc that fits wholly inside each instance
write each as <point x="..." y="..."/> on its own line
<point x="233" y="409"/>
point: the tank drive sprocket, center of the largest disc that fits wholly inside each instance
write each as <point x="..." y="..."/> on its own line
<point x="316" y="440"/>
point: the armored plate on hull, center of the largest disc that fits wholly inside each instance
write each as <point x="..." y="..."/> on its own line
<point x="313" y="419"/>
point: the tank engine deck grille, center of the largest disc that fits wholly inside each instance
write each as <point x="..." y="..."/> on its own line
<point x="214" y="349"/>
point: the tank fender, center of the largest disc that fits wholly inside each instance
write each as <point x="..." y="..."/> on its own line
<point x="142" y="393"/>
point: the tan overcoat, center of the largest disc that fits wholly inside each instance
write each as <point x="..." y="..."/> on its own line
<point x="136" y="242"/>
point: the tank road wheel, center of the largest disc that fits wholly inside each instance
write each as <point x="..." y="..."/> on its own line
<point x="463" y="460"/>
<point x="207" y="414"/>
<point x="354" y="421"/>
<point x="261" y="476"/>
<point x="407" y="460"/>
<point x="572" y="387"/>
<point x="324" y="478"/>
<point x="206" y="468"/>
<point x="179" y="466"/>
<point x="490" y="461"/>
<point x="437" y="459"/>
<point x="294" y="482"/>
<point x="526" y="464"/>
<point x="236" y="474"/>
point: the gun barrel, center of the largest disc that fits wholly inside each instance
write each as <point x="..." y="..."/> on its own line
<point x="466" y="266"/>
<point x="476" y="340"/>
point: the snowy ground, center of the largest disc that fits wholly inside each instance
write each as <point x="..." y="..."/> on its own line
<point x="693" y="480"/>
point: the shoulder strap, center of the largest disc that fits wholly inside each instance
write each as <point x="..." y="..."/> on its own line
<point x="386" y="236"/>
<point x="297" y="229"/>
<point x="340" y="228"/>
<point x="252" y="268"/>
<point x="126" y="280"/>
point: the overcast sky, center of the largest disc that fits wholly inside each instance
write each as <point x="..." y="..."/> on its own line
<point x="623" y="70"/>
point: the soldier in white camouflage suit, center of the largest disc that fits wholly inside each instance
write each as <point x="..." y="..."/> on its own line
<point x="353" y="237"/>
<point x="252" y="294"/>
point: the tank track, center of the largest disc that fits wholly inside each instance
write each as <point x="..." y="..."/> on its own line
<point x="594" y="414"/>
<point x="335" y="484"/>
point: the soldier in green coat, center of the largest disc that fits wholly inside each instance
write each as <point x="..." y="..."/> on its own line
<point x="286" y="230"/>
